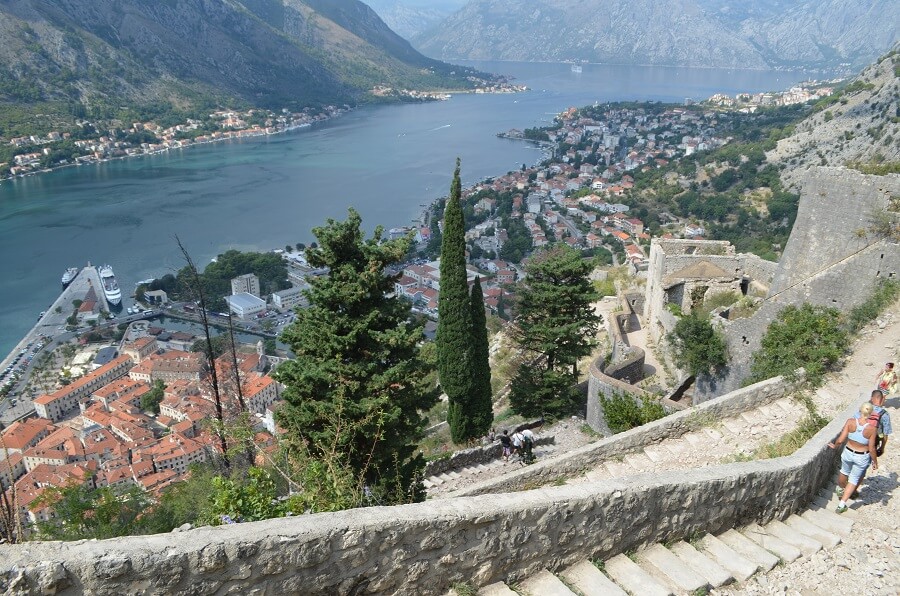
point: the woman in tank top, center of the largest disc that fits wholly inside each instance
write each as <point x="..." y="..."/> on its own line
<point x="858" y="453"/>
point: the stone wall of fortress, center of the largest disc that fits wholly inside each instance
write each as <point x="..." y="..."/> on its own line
<point x="424" y="548"/>
<point x="832" y="259"/>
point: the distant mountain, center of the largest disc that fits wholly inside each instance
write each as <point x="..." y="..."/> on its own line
<point x="97" y="56"/>
<point x="722" y="33"/>
<point x="410" y="17"/>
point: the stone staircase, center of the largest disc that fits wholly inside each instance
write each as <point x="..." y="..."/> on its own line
<point x="697" y="567"/>
<point x="492" y="468"/>
<point x="734" y="436"/>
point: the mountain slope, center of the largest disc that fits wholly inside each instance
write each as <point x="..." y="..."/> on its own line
<point x="858" y="126"/>
<point x="409" y="18"/>
<point x="722" y="33"/>
<point x="270" y="53"/>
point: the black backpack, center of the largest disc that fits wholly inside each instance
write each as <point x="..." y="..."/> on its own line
<point x="875" y="419"/>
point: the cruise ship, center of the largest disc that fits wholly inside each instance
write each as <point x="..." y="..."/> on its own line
<point x="69" y="275"/>
<point x="110" y="286"/>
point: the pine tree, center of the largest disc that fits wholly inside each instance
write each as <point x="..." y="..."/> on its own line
<point x="479" y="411"/>
<point x="357" y="385"/>
<point x="556" y="322"/>
<point x="454" y="332"/>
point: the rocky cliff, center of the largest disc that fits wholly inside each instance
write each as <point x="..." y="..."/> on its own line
<point x="723" y="33"/>
<point x="409" y="18"/>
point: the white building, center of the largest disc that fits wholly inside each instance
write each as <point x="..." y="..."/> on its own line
<point x="245" y="284"/>
<point x="288" y="299"/>
<point x="245" y="305"/>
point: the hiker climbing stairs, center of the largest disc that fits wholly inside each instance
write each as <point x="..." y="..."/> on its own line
<point x="685" y="568"/>
<point x="492" y="468"/>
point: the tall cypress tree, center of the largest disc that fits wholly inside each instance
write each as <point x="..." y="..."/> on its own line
<point x="480" y="409"/>
<point x="454" y="332"/>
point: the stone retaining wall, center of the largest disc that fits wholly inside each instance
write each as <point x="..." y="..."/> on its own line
<point x="423" y="549"/>
<point x="586" y="458"/>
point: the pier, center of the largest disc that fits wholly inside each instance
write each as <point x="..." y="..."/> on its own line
<point x="51" y="328"/>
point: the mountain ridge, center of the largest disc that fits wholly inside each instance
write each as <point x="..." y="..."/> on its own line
<point x="718" y="33"/>
<point x="91" y="57"/>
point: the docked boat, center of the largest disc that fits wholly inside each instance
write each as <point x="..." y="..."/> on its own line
<point x="69" y="275"/>
<point x="110" y="286"/>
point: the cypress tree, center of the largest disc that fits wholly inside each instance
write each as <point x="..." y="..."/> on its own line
<point x="480" y="411"/>
<point x="454" y="332"/>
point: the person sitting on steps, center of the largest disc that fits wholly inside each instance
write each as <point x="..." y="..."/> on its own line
<point x="858" y="453"/>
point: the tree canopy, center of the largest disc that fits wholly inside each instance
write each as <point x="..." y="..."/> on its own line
<point x="556" y="324"/>
<point x="358" y="384"/>
<point x="699" y="347"/>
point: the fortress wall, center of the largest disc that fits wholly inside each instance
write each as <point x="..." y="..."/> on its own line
<point x="422" y="549"/>
<point x="607" y="383"/>
<point x="842" y="286"/>
<point x="835" y="205"/>
<point x="675" y="425"/>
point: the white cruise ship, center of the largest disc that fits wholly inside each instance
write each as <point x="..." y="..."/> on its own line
<point x="110" y="286"/>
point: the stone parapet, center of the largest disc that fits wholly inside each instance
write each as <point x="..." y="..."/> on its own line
<point x="424" y="548"/>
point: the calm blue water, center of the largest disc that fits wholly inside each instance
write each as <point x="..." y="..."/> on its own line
<point x="265" y="193"/>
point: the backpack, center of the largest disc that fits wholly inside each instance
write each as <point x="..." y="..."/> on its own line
<point x="875" y="419"/>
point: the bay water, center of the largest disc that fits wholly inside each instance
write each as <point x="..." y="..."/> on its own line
<point x="263" y="193"/>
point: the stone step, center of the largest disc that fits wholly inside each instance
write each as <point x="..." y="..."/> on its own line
<point x="807" y="544"/>
<point x="832" y="503"/>
<point x="656" y="453"/>
<point x="677" y="447"/>
<point x="445" y="477"/>
<point x="753" y="417"/>
<point x="498" y="589"/>
<point x="712" y="434"/>
<point x="453" y="475"/>
<point x="427" y="484"/>
<point x="617" y="469"/>
<point x="635" y="580"/>
<point x="829" y="521"/>
<point x="734" y="425"/>
<point x="596" y="475"/>
<point x="737" y="565"/>
<point x="714" y="573"/>
<point x="590" y="581"/>
<point x="662" y="563"/>
<point x="435" y="481"/>
<point x="639" y="462"/>
<point x="828" y="539"/>
<point x="544" y="584"/>
<point x="770" y="411"/>
<point x="695" y="439"/>
<point x="778" y="547"/>
<point x="750" y="550"/>
<point x="786" y="404"/>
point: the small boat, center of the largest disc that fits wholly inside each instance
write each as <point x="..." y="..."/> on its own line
<point x="69" y="275"/>
<point x="146" y="282"/>
<point x="576" y="68"/>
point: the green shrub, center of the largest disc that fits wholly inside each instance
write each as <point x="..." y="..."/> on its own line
<point x="808" y="337"/>
<point x="699" y="347"/>
<point x="885" y="293"/>
<point x="623" y="412"/>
